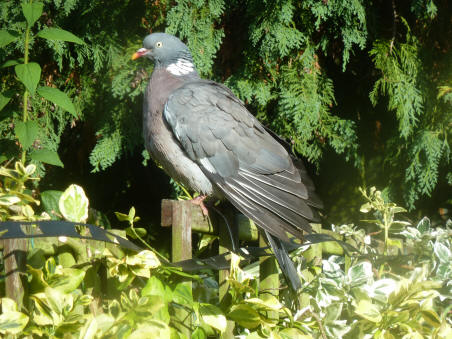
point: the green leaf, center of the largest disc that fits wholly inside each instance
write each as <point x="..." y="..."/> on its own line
<point x="245" y="316"/>
<point x="182" y="294"/>
<point x="104" y="322"/>
<point x="366" y="207"/>
<point x="5" y="97"/>
<point x="431" y="317"/>
<point x="199" y="333"/>
<point x="271" y="303"/>
<point x="57" y="97"/>
<point x="398" y="209"/>
<point x="32" y="11"/>
<point x="89" y="330"/>
<point x="11" y="321"/>
<point x="74" y="204"/>
<point x="50" y="199"/>
<point x="26" y="132"/>
<point x="382" y="289"/>
<point x="9" y="63"/>
<point x="141" y="232"/>
<point x="213" y="316"/>
<point x="66" y="259"/>
<point x="122" y="216"/>
<point x="155" y="286"/>
<point x="293" y="333"/>
<point x="442" y="252"/>
<point x="8" y="305"/>
<point x="368" y="311"/>
<point x="43" y="315"/>
<point x="151" y="329"/>
<point x="6" y="37"/>
<point x="67" y="279"/>
<point x="47" y="156"/>
<point x="395" y="242"/>
<point x="59" y="34"/>
<point x="424" y="225"/>
<point x="29" y="75"/>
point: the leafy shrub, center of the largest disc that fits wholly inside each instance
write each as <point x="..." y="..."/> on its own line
<point x="397" y="286"/>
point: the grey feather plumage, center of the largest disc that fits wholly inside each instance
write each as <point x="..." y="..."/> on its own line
<point x="205" y="138"/>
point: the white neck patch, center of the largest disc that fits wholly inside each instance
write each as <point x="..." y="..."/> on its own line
<point x="181" y="67"/>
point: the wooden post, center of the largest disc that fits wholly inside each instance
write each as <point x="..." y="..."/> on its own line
<point x="181" y="222"/>
<point x="14" y="255"/>
<point x="181" y="232"/>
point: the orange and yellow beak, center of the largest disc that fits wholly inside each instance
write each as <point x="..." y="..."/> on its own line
<point x="139" y="53"/>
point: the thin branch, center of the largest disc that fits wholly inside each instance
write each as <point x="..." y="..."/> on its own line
<point x="394" y="25"/>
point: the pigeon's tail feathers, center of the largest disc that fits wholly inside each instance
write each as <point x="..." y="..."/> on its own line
<point x="285" y="263"/>
<point x="275" y="209"/>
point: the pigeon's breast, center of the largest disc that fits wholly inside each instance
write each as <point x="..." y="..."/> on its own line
<point x="159" y="139"/>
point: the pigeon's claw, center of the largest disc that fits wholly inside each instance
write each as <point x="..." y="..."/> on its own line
<point x="199" y="200"/>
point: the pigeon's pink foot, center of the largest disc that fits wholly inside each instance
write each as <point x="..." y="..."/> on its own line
<point x="199" y="200"/>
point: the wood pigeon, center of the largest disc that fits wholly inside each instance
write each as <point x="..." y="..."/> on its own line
<point x="205" y="138"/>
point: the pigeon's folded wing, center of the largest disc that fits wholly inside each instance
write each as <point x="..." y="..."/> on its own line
<point x="237" y="154"/>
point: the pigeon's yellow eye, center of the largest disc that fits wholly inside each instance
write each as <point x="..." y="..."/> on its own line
<point x="159" y="44"/>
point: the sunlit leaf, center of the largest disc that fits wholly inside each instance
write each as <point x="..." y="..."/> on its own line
<point x="293" y="333"/>
<point x="58" y="97"/>
<point x="141" y="232"/>
<point x="199" y="333"/>
<point x="50" y="200"/>
<point x="52" y="33"/>
<point x="395" y="242"/>
<point x="67" y="279"/>
<point x="151" y="329"/>
<point x="5" y="97"/>
<point x="6" y="37"/>
<point x="213" y="316"/>
<point x="424" y="225"/>
<point x="74" y="204"/>
<point x="122" y="216"/>
<point x="245" y="316"/>
<point x="11" y="321"/>
<point x="182" y="294"/>
<point x="382" y="288"/>
<point x="26" y="132"/>
<point x="8" y="200"/>
<point x="368" y="311"/>
<point x="366" y="208"/>
<point x="9" y="63"/>
<point x="154" y="286"/>
<point x="442" y="252"/>
<point x="32" y="11"/>
<point x="104" y="322"/>
<point x="47" y="156"/>
<point x="145" y="258"/>
<point x="89" y="330"/>
<point x="271" y="303"/>
<point x="360" y="273"/>
<point x="29" y="74"/>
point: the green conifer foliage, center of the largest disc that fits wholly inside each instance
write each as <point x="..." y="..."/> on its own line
<point x="286" y="59"/>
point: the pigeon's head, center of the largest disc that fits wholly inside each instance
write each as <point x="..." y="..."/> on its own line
<point x="167" y="51"/>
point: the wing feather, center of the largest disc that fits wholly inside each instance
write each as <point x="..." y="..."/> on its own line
<point x="250" y="168"/>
